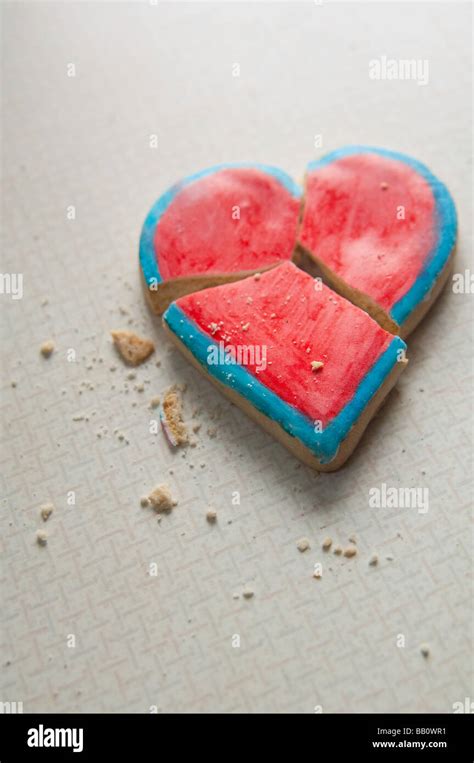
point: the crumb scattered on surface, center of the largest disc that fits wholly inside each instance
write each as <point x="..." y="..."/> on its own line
<point x="144" y="501"/>
<point x="236" y="596"/>
<point x="46" y="510"/>
<point x="41" y="537"/>
<point x="47" y="348"/>
<point x="211" y="516"/>
<point x="13" y="383"/>
<point x="161" y="499"/>
<point x="245" y="326"/>
<point x="350" y="551"/>
<point x="327" y="543"/>
<point x="374" y="560"/>
<point x="425" y="650"/>
<point x="316" y="365"/>
<point x="155" y="401"/>
<point x="389" y="558"/>
<point x="303" y="544"/>
<point x="247" y="593"/>
<point x="384" y="186"/>
<point x="172" y="419"/>
<point x="132" y="348"/>
<point x="337" y="550"/>
<point x="352" y="539"/>
<point x="317" y="575"/>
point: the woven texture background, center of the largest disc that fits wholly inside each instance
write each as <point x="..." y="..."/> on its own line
<point x="168" y="641"/>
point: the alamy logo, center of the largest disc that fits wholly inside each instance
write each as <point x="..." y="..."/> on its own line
<point x="47" y="737"/>
<point x="464" y="707"/>
<point x="12" y="283"/>
<point x="240" y="354"/>
<point x="386" y="497"/>
<point x="11" y="707"/>
<point x="415" y="69"/>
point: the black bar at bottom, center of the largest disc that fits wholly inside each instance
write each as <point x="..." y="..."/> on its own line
<point x="135" y="737"/>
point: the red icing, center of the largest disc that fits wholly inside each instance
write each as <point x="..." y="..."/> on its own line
<point x="198" y="235"/>
<point x="336" y="332"/>
<point x="350" y="223"/>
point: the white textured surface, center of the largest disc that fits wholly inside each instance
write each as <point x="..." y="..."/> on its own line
<point x="167" y="640"/>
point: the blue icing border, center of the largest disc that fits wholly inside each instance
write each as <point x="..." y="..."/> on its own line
<point x="446" y="223"/>
<point x="324" y="445"/>
<point x="147" y="256"/>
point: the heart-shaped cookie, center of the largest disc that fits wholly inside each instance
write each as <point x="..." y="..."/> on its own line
<point x="382" y="229"/>
<point x="217" y="226"/>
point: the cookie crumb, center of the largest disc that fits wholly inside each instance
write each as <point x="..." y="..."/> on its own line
<point x="236" y="596"/>
<point x="132" y="348"/>
<point x="211" y="516"/>
<point x="352" y="539"/>
<point x="350" y="551"/>
<point x="41" y="538"/>
<point x="303" y="544"/>
<point x="257" y="276"/>
<point x="316" y="365"/>
<point x="247" y="593"/>
<point x="171" y="418"/>
<point x="317" y="575"/>
<point x="144" y="502"/>
<point x="47" y="349"/>
<point x="374" y="560"/>
<point x="161" y="499"/>
<point x="46" y="510"/>
<point x="425" y="650"/>
<point x="245" y="326"/>
<point x="384" y="186"/>
<point x="155" y="401"/>
<point x="337" y="550"/>
<point x="327" y="543"/>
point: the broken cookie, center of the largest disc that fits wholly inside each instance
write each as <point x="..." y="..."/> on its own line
<point x="217" y="226"/>
<point x="171" y="417"/>
<point x="132" y="348"/>
<point x="319" y="416"/>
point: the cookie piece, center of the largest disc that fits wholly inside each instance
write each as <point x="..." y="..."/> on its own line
<point x="133" y="349"/>
<point x="217" y="226"/>
<point x="382" y="230"/>
<point x="161" y="499"/>
<point x="171" y="417"/>
<point x="256" y="340"/>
